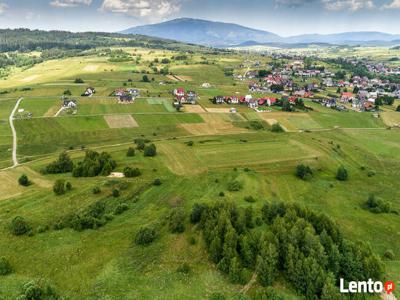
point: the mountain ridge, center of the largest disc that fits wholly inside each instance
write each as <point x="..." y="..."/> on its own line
<point x="220" y="34"/>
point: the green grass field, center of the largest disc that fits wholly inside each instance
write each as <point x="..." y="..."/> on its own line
<point x="198" y="154"/>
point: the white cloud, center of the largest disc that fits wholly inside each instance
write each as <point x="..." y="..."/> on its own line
<point x="148" y="9"/>
<point x="294" y="3"/>
<point x="352" y="5"/>
<point x="3" y="8"/>
<point x="69" y="3"/>
<point x="394" y="5"/>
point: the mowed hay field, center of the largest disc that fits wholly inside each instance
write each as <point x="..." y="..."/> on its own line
<point x="214" y="124"/>
<point x="222" y="153"/>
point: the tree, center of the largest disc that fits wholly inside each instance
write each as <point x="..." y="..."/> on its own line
<point x="63" y="164"/>
<point x="330" y="291"/>
<point x="197" y="212"/>
<point x="145" y="78"/>
<point x="276" y="128"/>
<point x="267" y="264"/>
<point x="342" y="174"/>
<point x="132" y="172"/>
<point x="235" y="271"/>
<point x="398" y="108"/>
<point x="145" y="236"/>
<point x="116" y="193"/>
<point x="157" y="182"/>
<point x="130" y="152"/>
<point x="59" y="187"/>
<point x="5" y="267"/>
<point x="150" y="150"/>
<point x="38" y="290"/>
<point x="177" y="220"/>
<point x="79" y="80"/>
<point x="304" y="172"/>
<point x="23" y="180"/>
<point x="19" y="226"/>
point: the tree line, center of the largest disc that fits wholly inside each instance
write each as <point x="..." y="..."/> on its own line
<point x="304" y="248"/>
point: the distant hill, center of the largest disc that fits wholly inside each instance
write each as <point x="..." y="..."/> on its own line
<point x="220" y="34"/>
<point x="204" y="32"/>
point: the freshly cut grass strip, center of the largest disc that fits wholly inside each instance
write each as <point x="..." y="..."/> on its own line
<point x="121" y="121"/>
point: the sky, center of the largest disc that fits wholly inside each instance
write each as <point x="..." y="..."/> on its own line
<point x="283" y="17"/>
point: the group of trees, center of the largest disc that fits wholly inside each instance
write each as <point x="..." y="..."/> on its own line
<point x="304" y="248"/>
<point x="377" y="205"/>
<point x="60" y="187"/>
<point x="63" y="164"/>
<point x="94" y="164"/>
<point x="304" y="172"/>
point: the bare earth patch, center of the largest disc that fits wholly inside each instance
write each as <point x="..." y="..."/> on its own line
<point x="30" y="78"/>
<point x="218" y="110"/>
<point x="121" y="121"/>
<point x="194" y="109"/>
<point x="91" y="68"/>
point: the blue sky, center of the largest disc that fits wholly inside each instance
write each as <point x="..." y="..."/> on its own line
<point x="284" y="17"/>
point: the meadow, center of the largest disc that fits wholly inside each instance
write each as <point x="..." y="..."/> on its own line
<point x="199" y="153"/>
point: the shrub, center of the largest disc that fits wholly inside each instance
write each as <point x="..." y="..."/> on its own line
<point x="79" y="80"/>
<point x="398" y="108"/>
<point x="277" y="128"/>
<point x="38" y="290"/>
<point x="115" y="193"/>
<point x="303" y="172"/>
<point x="217" y="296"/>
<point x="145" y="236"/>
<point x="249" y="199"/>
<point x="150" y="150"/>
<point x="177" y="220"/>
<point x="23" y="180"/>
<point x="378" y="205"/>
<point x="129" y="172"/>
<point x="234" y="186"/>
<point x="96" y="190"/>
<point x="184" y="269"/>
<point x="130" y="152"/>
<point x="157" y="182"/>
<point x="67" y="93"/>
<point x="19" y="226"/>
<point x="389" y="254"/>
<point x="121" y="208"/>
<point x="342" y="174"/>
<point x="190" y="143"/>
<point x="59" y="187"/>
<point x="68" y="186"/>
<point x="256" y="125"/>
<point x="5" y="267"/>
<point x="221" y="194"/>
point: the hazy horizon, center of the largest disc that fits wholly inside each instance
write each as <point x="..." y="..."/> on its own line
<point x="283" y="17"/>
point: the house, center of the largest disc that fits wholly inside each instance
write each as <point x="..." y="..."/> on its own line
<point x="134" y="92"/>
<point x="126" y="99"/>
<point x="271" y="101"/>
<point x="89" y="92"/>
<point x="191" y="97"/>
<point x="119" y="92"/>
<point x="368" y="106"/>
<point x="67" y="103"/>
<point x="232" y="100"/>
<point x="347" y="97"/>
<point x="218" y="100"/>
<point x="179" y="92"/>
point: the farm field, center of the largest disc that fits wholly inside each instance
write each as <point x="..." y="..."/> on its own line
<point x="201" y="151"/>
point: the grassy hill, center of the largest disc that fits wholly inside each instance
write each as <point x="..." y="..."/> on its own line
<point x="200" y="152"/>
